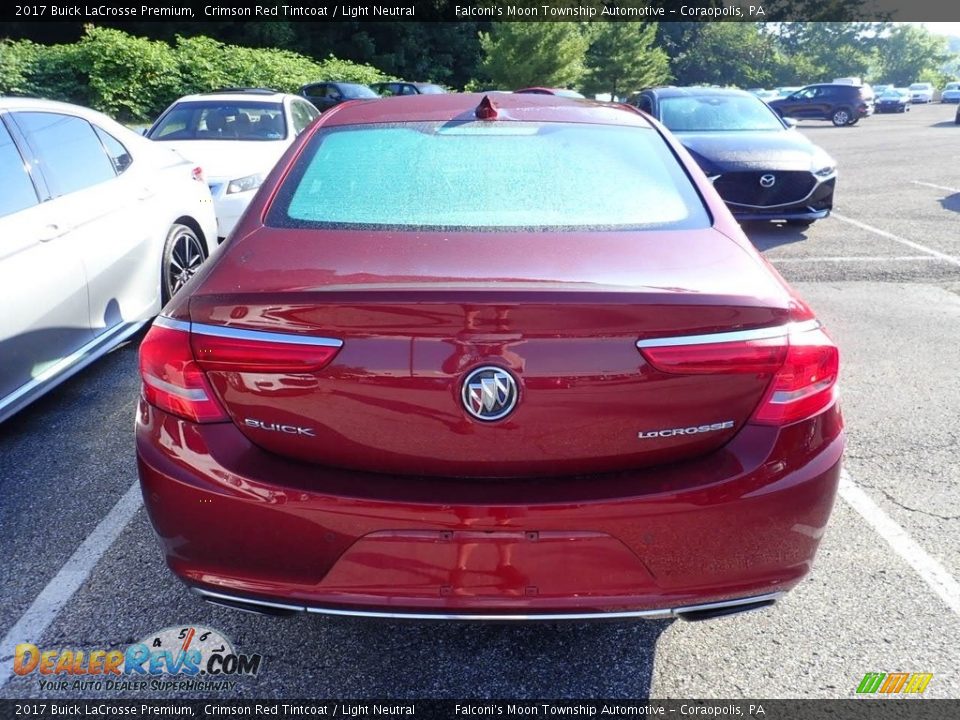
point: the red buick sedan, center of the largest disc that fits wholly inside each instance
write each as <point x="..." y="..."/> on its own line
<point x="502" y="357"/>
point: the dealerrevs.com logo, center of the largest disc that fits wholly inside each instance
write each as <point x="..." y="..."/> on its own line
<point x="176" y="658"/>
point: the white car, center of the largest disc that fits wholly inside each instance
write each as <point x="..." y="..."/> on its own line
<point x="921" y="92"/>
<point x="98" y="228"/>
<point x="236" y="136"/>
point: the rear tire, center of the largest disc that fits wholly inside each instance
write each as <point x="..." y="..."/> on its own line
<point x="841" y="117"/>
<point x="183" y="254"/>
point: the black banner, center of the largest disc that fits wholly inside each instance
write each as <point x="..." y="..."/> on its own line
<point x="112" y="11"/>
<point x="858" y="709"/>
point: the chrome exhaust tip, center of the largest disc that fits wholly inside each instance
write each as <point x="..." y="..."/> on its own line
<point x="710" y="611"/>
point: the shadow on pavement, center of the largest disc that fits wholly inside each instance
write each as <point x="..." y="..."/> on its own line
<point x="768" y="235"/>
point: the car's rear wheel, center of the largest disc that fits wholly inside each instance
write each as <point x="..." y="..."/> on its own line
<point x="183" y="254"/>
<point x="841" y="117"/>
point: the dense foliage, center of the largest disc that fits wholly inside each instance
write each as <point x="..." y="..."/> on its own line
<point x="134" y="72"/>
<point x="134" y="78"/>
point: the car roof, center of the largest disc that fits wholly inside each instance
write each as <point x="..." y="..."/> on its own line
<point x="404" y="82"/>
<point x="693" y="91"/>
<point x="235" y="97"/>
<point x="317" y="83"/>
<point x="462" y="106"/>
<point x="16" y="102"/>
<point x="11" y="103"/>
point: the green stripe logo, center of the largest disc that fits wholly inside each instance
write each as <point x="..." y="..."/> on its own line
<point x="871" y="682"/>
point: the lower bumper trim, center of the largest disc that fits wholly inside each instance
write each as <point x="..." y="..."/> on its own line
<point x="689" y="612"/>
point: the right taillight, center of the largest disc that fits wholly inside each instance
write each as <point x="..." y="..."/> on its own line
<point x="172" y="380"/>
<point x="805" y="384"/>
<point x="800" y="360"/>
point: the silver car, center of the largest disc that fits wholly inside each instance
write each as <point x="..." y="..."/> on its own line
<point x="98" y="228"/>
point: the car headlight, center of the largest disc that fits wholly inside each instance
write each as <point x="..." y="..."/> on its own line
<point x="822" y="165"/>
<point x="248" y="182"/>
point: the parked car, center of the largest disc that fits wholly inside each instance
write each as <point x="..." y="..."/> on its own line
<point x="921" y="92"/>
<point x="841" y="104"/>
<point x="325" y="95"/>
<point x="397" y="87"/>
<point x="896" y="100"/>
<point x="764" y="94"/>
<point x="562" y="92"/>
<point x="98" y="228"/>
<point x="762" y="168"/>
<point x="787" y="90"/>
<point x="540" y="373"/>
<point x="879" y="90"/>
<point x="237" y="136"/>
<point x="951" y="93"/>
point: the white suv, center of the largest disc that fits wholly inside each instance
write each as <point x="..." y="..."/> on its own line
<point x="236" y="135"/>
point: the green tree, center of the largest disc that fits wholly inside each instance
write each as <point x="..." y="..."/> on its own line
<point x="909" y="52"/>
<point x="129" y="77"/>
<point x="522" y="54"/>
<point x="623" y="57"/>
<point x="832" y="49"/>
<point x="17" y="62"/>
<point x="730" y="53"/>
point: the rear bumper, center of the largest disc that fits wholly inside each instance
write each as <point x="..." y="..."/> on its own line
<point x="249" y="528"/>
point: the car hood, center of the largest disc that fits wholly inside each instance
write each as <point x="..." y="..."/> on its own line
<point x="227" y="160"/>
<point x="718" y="152"/>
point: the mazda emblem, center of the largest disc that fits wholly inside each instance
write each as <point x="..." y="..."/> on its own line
<point x="489" y="393"/>
<point x="768" y="181"/>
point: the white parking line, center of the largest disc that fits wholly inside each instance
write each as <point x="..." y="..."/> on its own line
<point x="930" y="570"/>
<point x="855" y="258"/>
<point x="68" y="580"/>
<point x="937" y="187"/>
<point x="896" y="238"/>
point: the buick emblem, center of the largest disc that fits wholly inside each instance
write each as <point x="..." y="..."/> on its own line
<point x="489" y="393"/>
<point x="768" y="181"/>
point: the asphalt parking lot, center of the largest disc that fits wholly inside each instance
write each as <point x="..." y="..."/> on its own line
<point x="81" y="568"/>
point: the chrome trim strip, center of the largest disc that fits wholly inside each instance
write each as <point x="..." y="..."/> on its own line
<point x="66" y="367"/>
<point x="664" y="613"/>
<point x="261" y="603"/>
<point x="735" y="336"/>
<point x="262" y="335"/>
<point x="171" y="324"/>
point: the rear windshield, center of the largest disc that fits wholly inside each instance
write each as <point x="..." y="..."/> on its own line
<point x="487" y="175"/>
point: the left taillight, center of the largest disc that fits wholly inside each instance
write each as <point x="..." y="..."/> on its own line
<point x="172" y="379"/>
